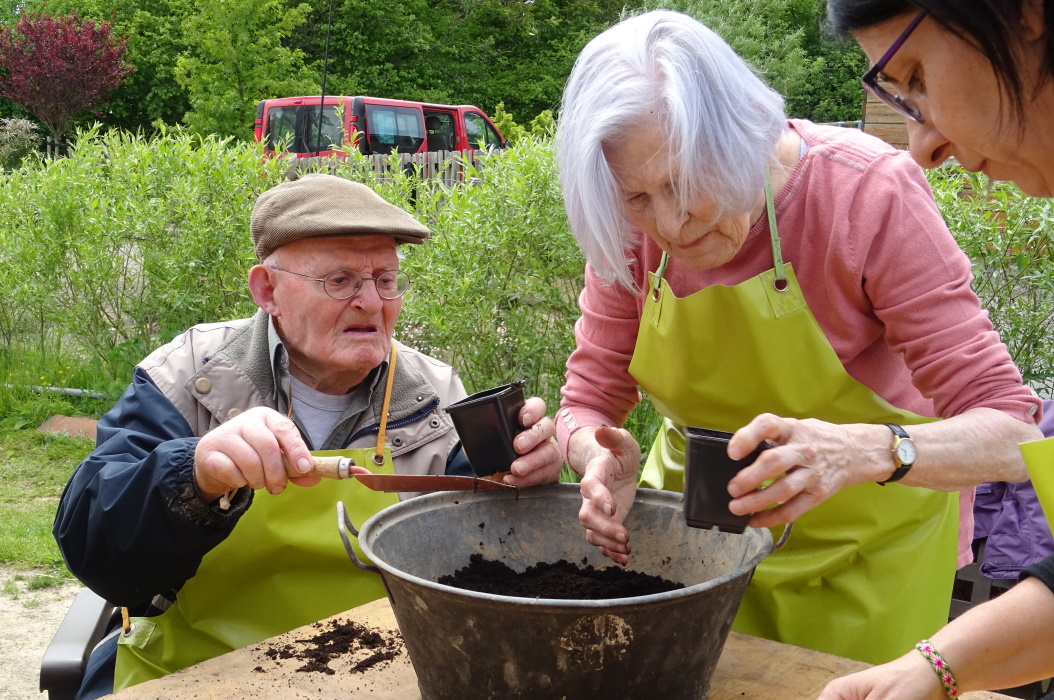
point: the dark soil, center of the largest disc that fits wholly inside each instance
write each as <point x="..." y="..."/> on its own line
<point x="562" y="580"/>
<point x="335" y="640"/>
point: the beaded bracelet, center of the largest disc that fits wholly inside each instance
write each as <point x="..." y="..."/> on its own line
<point x="944" y="673"/>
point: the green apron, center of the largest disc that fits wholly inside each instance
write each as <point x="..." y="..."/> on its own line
<point x="869" y="571"/>
<point x="283" y="566"/>
<point x="1039" y="458"/>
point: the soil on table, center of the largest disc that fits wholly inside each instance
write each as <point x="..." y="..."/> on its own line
<point x="337" y="640"/>
<point x="561" y="580"/>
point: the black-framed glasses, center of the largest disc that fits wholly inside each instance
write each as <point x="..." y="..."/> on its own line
<point x="344" y="284"/>
<point x="870" y="79"/>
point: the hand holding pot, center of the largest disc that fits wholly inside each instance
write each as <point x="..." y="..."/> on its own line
<point x="248" y="450"/>
<point x="539" y="461"/>
<point x="812" y="460"/>
<point x="608" y="459"/>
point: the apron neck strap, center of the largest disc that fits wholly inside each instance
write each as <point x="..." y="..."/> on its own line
<point x="774" y="236"/>
<point x="378" y="458"/>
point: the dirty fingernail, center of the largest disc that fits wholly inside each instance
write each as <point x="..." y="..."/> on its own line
<point x="609" y="510"/>
<point x="621" y="537"/>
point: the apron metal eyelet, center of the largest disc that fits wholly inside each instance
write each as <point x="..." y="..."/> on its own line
<point x="655" y="294"/>
<point x="378" y="459"/>
<point x="781" y="286"/>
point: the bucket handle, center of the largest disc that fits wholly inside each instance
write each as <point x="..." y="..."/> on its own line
<point x="779" y="543"/>
<point x="344" y="525"/>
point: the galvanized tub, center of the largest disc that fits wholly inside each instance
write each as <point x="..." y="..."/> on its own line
<point x="465" y="644"/>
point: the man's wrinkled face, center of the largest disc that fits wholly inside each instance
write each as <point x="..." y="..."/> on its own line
<point x="332" y="343"/>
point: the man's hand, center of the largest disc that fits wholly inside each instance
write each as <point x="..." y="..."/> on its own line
<point x="609" y="485"/>
<point x="260" y="448"/>
<point x="540" y="459"/>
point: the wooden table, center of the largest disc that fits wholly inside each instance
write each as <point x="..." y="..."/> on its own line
<point x="750" y="668"/>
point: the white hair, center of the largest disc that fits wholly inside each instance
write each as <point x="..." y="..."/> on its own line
<point x="722" y="125"/>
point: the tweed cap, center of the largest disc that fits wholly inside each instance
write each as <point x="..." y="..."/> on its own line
<point x="323" y="206"/>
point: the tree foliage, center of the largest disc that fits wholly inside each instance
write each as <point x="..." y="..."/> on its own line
<point x="60" y="67"/>
<point x="208" y="63"/>
<point x="238" y="59"/>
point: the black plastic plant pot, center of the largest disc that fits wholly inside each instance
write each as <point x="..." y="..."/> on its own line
<point x="487" y="422"/>
<point x="707" y="471"/>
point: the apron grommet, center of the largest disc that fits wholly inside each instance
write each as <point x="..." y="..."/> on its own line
<point x="781" y="286"/>
<point x="378" y="460"/>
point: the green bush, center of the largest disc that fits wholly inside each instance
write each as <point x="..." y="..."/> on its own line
<point x="1008" y="237"/>
<point x="128" y="241"/>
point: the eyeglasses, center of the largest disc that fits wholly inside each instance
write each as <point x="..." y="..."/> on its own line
<point x="344" y="284"/>
<point x="870" y="78"/>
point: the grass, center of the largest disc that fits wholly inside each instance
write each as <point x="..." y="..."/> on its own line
<point x="34" y="468"/>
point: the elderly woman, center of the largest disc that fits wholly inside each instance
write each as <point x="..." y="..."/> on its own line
<point x="975" y="80"/>
<point x="795" y="284"/>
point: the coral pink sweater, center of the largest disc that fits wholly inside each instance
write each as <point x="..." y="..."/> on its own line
<point x="884" y="278"/>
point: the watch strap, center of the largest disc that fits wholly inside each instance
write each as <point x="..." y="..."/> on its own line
<point x="902" y="469"/>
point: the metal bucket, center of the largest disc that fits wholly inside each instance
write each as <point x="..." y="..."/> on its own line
<point x="465" y="644"/>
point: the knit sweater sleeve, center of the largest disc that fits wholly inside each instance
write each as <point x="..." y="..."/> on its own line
<point x="599" y="389"/>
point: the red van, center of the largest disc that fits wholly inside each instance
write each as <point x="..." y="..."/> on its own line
<point x="373" y="125"/>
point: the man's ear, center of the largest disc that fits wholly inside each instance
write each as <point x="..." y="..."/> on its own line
<point x="261" y="286"/>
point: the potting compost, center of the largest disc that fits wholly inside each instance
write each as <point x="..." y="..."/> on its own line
<point x="335" y="640"/>
<point x="561" y="580"/>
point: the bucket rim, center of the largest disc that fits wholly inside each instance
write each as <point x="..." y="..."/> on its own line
<point x="562" y="490"/>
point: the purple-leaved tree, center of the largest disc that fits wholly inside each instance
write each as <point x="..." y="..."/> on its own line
<point x="58" y="68"/>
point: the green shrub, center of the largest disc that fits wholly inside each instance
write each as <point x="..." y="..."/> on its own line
<point x="128" y="241"/>
<point x="1008" y="237"/>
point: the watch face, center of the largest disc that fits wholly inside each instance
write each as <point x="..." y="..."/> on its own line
<point x="906" y="452"/>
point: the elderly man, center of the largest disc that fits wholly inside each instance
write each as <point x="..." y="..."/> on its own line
<point x="183" y="512"/>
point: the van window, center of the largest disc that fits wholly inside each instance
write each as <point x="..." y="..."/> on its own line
<point x="440" y="129"/>
<point x="481" y="136"/>
<point x="391" y="128"/>
<point x="296" y="128"/>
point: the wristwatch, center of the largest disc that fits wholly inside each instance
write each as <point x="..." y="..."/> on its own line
<point x="904" y="453"/>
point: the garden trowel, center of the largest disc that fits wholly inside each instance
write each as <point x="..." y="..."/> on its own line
<point x="340" y="468"/>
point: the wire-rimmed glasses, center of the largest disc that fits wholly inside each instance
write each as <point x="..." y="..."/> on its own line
<point x="870" y="79"/>
<point x="344" y="284"/>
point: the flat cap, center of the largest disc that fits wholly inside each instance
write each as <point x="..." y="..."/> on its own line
<point x="323" y="206"/>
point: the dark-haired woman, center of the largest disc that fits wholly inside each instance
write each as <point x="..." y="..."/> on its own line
<point x="975" y="81"/>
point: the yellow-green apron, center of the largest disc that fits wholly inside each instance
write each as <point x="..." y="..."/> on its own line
<point x="282" y="567"/>
<point x="1039" y="458"/>
<point x="869" y="571"/>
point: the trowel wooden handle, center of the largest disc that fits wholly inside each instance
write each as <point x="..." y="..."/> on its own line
<point x="333" y="467"/>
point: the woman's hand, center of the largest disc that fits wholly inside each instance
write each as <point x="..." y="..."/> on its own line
<point x="908" y="678"/>
<point x="260" y="448"/>
<point x="540" y="461"/>
<point x="810" y="462"/>
<point x="608" y="459"/>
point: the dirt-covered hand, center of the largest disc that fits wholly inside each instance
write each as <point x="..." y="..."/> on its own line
<point x="260" y="448"/>
<point x="609" y="484"/>
<point x="539" y="461"/>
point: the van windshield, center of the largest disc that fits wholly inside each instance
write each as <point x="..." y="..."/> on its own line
<point x="294" y="129"/>
<point x="391" y="128"/>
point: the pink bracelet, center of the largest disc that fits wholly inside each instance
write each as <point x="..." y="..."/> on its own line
<point x="944" y="673"/>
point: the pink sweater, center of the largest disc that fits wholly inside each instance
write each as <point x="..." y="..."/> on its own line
<point x="884" y="278"/>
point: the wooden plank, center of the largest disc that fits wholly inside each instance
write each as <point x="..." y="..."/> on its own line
<point x="750" y="668"/>
<point x="884" y="122"/>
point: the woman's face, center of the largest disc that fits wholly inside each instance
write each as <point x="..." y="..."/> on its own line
<point x="967" y="116"/>
<point x="684" y="228"/>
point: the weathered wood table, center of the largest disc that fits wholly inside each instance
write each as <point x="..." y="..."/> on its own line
<point x="750" y="668"/>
